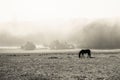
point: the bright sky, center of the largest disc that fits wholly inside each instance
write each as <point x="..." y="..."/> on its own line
<point x="36" y="10"/>
<point x="56" y="11"/>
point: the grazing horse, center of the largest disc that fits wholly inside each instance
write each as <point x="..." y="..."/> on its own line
<point x="85" y="51"/>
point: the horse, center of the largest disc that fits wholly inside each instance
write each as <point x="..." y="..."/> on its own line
<point x="85" y="51"/>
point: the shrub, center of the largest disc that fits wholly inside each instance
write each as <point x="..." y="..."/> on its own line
<point x="28" y="46"/>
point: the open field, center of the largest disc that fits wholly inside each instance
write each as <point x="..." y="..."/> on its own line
<point x="59" y="65"/>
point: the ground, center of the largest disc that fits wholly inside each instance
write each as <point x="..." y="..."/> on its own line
<point x="60" y="66"/>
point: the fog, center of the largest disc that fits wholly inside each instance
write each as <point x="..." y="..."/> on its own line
<point x="16" y="34"/>
<point x="100" y="34"/>
<point x="84" y="23"/>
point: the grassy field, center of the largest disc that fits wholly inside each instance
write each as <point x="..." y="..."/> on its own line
<point x="59" y="65"/>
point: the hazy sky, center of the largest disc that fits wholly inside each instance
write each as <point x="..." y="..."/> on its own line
<point x="54" y="12"/>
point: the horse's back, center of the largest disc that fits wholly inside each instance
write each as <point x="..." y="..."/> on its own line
<point x="85" y="50"/>
<point x="88" y="50"/>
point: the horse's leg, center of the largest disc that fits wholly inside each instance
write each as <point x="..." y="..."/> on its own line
<point x="83" y="55"/>
<point x="79" y="54"/>
<point x="89" y="54"/>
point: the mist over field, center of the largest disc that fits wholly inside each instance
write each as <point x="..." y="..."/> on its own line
<point x="100" y="34"/>
<point x="82" y="23"/>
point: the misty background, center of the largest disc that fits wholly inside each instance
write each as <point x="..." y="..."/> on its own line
<point x="98" y="34"/>
<point x="78" y="23"/>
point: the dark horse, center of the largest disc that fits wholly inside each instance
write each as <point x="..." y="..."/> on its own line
<point x="85" y="51"/>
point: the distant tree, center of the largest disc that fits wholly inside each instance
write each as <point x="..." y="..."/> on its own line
<point x="54" y="44"/>
<point x="28" y="46"/>
<point x="60" y="45"/>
